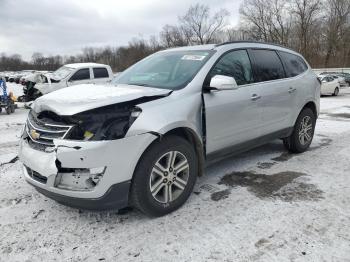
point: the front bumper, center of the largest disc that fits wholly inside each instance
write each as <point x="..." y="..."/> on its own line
<point x="120" y="158"/>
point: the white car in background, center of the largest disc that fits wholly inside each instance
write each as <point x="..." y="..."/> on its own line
<point x="74" y="74"/>
<point x="340" y="79"/>
<point x="329" y="85"/>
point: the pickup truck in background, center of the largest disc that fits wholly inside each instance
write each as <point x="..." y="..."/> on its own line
<point x="67" y="75"/>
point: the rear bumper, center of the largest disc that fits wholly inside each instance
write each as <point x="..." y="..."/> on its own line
<point x="116" y="197"/>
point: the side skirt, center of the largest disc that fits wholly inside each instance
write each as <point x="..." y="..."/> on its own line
<point x="245" y="146"/>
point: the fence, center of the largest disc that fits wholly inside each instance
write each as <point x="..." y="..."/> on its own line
<point x="340" y="70"/>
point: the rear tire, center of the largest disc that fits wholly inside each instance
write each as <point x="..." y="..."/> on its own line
<point x="336" y="91"/>
<point x="158" y="187"/>
<point x="303" y="132"/>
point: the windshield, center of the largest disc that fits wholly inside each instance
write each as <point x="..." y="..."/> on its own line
<point x="171" y="70"/>
<point x="61" y="72"/>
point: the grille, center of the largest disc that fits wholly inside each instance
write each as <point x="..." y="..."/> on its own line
<point x="36" y="176"/>
<point x="42" y="134"/>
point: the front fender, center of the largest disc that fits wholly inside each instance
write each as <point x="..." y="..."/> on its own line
<point x="163" y="115"/>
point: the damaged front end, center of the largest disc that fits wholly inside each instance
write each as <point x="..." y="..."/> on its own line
<point x="104" y="123"/>
<point x="34" y="86"/>
<point x="84" y="155"/>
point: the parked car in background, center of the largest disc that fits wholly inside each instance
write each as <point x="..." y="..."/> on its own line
<point x="329" y="85"/>
<point x="68" y="75"/>
<point x="346" y="77"/>
<point x="343" y="78"/>
<point x="11" y="77"/>
<point x="340" y="79"/>
<point x="144" y="140"/>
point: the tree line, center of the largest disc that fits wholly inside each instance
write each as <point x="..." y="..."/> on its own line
<point x="318" y="29"/>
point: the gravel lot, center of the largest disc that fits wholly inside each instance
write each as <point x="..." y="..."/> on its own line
<point x="263" y="205"/>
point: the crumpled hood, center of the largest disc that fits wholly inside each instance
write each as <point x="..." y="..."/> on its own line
<point x="80" y="98"/>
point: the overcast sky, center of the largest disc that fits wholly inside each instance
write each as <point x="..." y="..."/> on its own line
<point x="66" y="26"/>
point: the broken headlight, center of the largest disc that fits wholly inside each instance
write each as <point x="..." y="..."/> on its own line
<point x="105" y="123"/>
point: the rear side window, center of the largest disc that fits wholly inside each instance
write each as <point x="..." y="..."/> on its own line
<point x="235" y="64"/>
<point x="267" y="65"/>
<point x="100" y="72"/>
<point x="293" y="64"/>
<point x="81" y="74"/>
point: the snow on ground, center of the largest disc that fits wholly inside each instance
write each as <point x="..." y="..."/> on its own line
<point x="263" y="205"/>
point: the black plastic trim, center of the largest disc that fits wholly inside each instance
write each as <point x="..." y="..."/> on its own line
<point x="245" y="146"/>
<point x="116" y="197"/>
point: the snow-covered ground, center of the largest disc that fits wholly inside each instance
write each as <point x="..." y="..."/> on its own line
<point x="263" y="205"/>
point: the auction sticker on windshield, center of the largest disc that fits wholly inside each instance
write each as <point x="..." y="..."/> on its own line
<point x="193" y="57"/>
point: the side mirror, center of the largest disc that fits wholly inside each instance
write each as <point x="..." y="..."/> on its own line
<point x="221" y="82"/>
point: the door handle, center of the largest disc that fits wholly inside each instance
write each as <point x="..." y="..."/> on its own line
<point x="291" y="90"/>
<point x="255" y="97"/>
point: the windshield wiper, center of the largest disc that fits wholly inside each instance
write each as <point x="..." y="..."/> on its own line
<point x="138" y="84"/>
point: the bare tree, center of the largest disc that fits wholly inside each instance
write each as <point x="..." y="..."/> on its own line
<point x="337" y="27"/>
<point x="172" y="36"/>
<point x="199" y="27"/>
<point x="267" y="20"/>
<point x="307" y="14"/>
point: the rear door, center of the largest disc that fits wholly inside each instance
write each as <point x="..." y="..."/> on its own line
<point x="232" y="116"/>
<point x="100" y="75"/>
<point x="277" y="94"/>
<point x="81" y="76"/>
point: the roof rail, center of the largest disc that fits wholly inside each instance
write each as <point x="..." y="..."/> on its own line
<point x="252" y="42"/>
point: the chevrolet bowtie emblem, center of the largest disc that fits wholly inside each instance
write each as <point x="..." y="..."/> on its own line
<point x="35" y="135"/>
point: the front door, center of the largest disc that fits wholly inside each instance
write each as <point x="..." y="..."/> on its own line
<point x="232" y="116"/>
<point x="82" y="76"/>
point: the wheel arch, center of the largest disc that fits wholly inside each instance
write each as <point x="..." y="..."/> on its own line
<point x="311" y="105"/>
<point x="189" y="135"/>
<point x="308" y="104"/>
<point x="192" y="137"/>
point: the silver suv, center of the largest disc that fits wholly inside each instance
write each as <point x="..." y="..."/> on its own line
<point x="143" y="140"/>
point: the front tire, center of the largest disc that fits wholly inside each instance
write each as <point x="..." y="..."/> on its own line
<point x="164" y="177"/>
<point x="303" y="132"/>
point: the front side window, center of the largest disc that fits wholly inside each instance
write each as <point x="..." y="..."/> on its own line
<point x="293" y="64"/>
<point x="81" y="74"/>
<point x="235" y="64"/>
<point x="100" y="72"/>
<point x="267" y="65"/>
<point x="171" y="70"/>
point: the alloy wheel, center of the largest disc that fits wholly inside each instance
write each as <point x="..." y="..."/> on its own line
<point x="305" y="130"/>
<point x="169" y="177"/>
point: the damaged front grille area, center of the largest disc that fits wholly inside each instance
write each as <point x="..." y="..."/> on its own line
<point x="42" y="132"/>
<point x="36" y="176"/>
